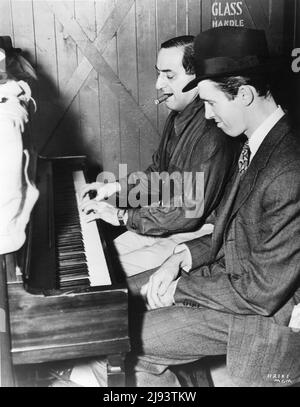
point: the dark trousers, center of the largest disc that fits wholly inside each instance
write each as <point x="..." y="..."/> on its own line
<point x="170" y="336"/>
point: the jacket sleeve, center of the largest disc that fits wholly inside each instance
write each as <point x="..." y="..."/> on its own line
<point x="200" y="250"/>
<point x="141" y="180"/>
<point x="215" y="159"/>
<point x="269" y="275"/>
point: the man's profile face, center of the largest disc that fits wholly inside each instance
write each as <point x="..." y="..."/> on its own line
<point x="228" y="114"/>
<point x="172" y="78"/>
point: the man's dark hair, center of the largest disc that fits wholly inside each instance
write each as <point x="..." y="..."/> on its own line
<point x="278" y="84"/>
<point x="230" y="85"/>
<point x="185" y="41"/>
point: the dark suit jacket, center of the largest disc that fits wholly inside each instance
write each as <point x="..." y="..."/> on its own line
<point x="250" y="267"/>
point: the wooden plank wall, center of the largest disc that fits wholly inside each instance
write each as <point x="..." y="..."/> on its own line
<point x="95" y="61"/>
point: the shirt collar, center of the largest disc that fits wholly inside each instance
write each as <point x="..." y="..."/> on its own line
<point x="262" y="131"/>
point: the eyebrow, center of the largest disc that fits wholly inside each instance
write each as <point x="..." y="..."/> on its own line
<point x="163" y="70"/>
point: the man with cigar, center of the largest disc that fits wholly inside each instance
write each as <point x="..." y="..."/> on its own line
<point x="189" y="144"/>
<point x="235" y="292"/>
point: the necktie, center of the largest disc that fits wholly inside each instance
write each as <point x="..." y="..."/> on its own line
<point x="244" y="158"/>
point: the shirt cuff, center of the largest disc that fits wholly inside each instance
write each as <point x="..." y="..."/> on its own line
<point x="118" y="186"/>
<point x="175" y="287"/>
<point x="125" y="217"/>
<point x="122" y="215"/>
<point x="187" y="262"/>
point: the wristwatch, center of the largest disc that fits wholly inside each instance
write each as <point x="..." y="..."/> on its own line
<point x="120" y="215"/>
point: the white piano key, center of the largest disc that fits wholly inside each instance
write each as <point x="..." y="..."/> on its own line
<point x="97" y="266"/>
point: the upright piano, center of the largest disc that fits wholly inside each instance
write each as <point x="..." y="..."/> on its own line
<point x="65" y="298"/>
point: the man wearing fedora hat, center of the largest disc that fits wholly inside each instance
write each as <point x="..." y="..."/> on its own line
<point x="234" y="292"/>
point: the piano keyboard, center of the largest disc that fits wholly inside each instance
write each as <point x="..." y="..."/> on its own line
<point x="80" y="257"/>
<point x="97" y="266"/>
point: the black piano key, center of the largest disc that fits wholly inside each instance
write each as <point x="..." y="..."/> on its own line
<point x="73" y="275"/>
<point x="71" y="262"/>
<point x="70" y="268"/>
<point x="69" y="255"/>
<point x="78" y="272"/>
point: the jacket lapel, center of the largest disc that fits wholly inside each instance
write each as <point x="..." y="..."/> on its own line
<point x="223" y="215"/>
<point x="241" y="188"/>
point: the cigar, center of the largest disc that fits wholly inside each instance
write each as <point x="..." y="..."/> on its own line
<point x="162" y="98"/>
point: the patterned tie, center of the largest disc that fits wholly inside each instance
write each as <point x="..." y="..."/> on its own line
<point x="244" y="158"/>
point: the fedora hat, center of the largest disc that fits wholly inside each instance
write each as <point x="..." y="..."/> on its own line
<point x="226" y="51"/>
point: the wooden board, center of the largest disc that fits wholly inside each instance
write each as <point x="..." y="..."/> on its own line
<point x="95" y="64"/>
<point x="194" y="16"/>
<point x="109" y="104"/>
<point x="146" y="59"/>
<point x="165" y="29"/>
<point x="127" y="72"/>
<point x="6" y="22"/>
<point x="6" y="371"/>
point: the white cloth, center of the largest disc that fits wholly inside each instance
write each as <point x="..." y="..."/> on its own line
<point x="138" y="253"/>
<point x="90" y="374"/>
<point x="17" y="194"/>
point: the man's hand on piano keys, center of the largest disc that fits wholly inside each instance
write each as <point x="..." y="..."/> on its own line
<point x="99" y="190"/>
<point x="100" y="210"/>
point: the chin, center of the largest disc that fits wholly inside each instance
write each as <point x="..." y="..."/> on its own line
<point x="229" y="132"/>
<point x="172" y="107"/>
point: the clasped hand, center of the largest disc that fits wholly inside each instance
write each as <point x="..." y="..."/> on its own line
<point x="160" y="289"/>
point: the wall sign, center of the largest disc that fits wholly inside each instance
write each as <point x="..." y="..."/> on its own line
<point x="227" y="13"/>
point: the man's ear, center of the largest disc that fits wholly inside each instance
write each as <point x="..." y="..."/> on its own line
<point x="246" y="94"/>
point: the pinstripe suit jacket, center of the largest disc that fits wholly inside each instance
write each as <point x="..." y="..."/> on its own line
<point x="250" y="267"/>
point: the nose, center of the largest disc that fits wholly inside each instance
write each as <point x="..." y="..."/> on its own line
<point x="209" y="114"/>
<point x="160" y="82"/>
